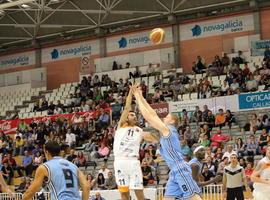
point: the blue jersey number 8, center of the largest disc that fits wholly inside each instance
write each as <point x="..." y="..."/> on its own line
<point x="69" y="178"/>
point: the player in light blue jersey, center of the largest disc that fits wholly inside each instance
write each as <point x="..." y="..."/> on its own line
<point x="196" y="165"/>
<point x="180" y="184"/>
<point x="64" y="179"/>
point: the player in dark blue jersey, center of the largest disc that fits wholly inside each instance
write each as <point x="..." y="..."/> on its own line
<point x="180" y="184"/>
<point x="64" y="179"/>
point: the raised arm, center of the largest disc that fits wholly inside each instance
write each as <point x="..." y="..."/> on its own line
<point x="126" y="110"/>
<point x="84" y="185"/>
<point x="148" y="113"/>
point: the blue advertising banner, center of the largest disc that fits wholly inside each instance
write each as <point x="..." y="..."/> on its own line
<point x="254" y="100"/>
<point x="258" y="47"/>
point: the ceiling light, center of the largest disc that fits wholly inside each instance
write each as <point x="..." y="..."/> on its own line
<point x="25" y="6"/>
<point x="55" y="1"/>
<point x="9" y="0"/>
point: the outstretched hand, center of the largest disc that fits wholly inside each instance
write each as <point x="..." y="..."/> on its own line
<point x="136" y="89"/>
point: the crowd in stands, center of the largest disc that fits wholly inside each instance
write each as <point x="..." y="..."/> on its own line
<point x="97" y="135"/>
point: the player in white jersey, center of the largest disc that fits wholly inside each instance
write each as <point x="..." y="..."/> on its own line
<point x="126" y="148"/>
<point x="261" y="178"/>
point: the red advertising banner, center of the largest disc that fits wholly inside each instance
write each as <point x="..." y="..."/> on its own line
<point x="162" y="109"/>
<point x="10" y="126"/>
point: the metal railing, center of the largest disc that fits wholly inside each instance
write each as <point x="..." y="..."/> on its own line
<point x="18" y="196"/>
<point x="212" y="192"/>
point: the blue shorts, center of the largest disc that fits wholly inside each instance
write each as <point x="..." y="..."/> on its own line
<point x="181" y="184"/>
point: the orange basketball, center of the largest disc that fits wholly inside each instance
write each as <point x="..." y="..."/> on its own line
<point x="157" y="35"/>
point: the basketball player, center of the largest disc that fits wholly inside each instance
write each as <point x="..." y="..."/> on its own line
<point x="196" y="165"/>
<point x="63" y="177"/>
<point x="180" y="184"/>
<point x="261" y="178"/>
<point x="126" y="148"/>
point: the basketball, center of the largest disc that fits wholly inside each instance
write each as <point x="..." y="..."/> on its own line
<point x="157" y="35"/>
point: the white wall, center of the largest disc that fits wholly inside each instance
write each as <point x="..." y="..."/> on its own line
<point x="36" y="77"/>
<point x="140" y="59"/>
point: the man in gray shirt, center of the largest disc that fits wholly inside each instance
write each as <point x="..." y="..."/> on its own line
<point x="234" y="179"/>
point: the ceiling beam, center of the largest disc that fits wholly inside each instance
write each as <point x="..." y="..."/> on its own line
<point x="179" y="4"/>
<point x="53" y="11"/>
<point x="14" y="3"/>
<point x="163" y="5"/>
<point x="26" y="31"/>
<point x="79" y="9"/>
<point x="14" y="38"/>
<point x="121" y="12"/>
<point x="210" y="6"/>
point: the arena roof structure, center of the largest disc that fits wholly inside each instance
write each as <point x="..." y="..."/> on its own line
<point x="25" y="22"/>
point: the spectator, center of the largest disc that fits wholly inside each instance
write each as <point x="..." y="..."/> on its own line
<point x="103" y="120"/>
<point x="220" y="118"/>
<point x="127" y="65"/>
<point x="252" y="147"/>
<point x="80" y="160"/>
<point x="102" y="152"/>
<point x="104" y="170"/>
<point x="70" y="138"/>
<point x="205" y="112"/>
<point x="199" y="66"/>
<point x="218" y="139"/>
<point x="110" y="183"/>
<point x="150" y="71"/>
<point x="251" y="84"/>
<point x="38" y="160"/>
<point x="22" y="186"/>
<point x="229" y="151"/>
<point x="19" y="144"/>
<point x="51" y="108"/>
<point x="114" y="66"/>
<point x="224" y="88"/>
<point x="240" y="147"/>
<point x="100" y="182"/>
<point x="248" y="172"/>
<point x="205" y="141"/>
<point x="197" y="115"/>
<point x="264" y="140"/>
<point x="210" y="119"/>
<point x="148" y="159"/>
<point x="254" y="123"/>
<point x="210" y="165"/>
<point x="158" y="96"/>
<point x="96" y="81"/>
<point x="229" y="118"/>
<point x="137" y="73"/>
<point x="97" y="197"/>
<point x="225" y="60"/>
<point x="239" y="59"/>
<point x="246" y="71"/>
<point x="265" y="71"/>
<point x="207" y="174"/>
<point x="147" y="173"/>
<point x="27" y="163"/>
<point x="222" y="165"/>
<point x="234" y="86"/>
<point x="91" y="181"/>
<point x="11" y="161"/>
<point x="7" y="172"/>
<point x="84" y="107"/>
<point x="71" y="157"/>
